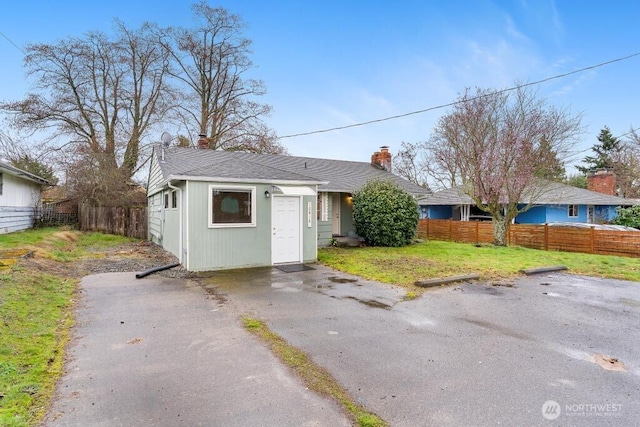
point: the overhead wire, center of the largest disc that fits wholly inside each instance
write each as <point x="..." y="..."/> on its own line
<point x="450" y="104"/>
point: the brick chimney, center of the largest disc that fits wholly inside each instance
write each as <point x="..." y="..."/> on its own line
<point x="603" y="181"/>
<point x="382" y="158"/>
<point x="203" y="141"/>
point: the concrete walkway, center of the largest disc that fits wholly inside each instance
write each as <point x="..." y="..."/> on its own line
<point x="160" y="352"/>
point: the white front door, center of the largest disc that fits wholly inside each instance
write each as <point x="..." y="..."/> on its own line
<point x="285" y="232"/>
<point x="335" y="215"/>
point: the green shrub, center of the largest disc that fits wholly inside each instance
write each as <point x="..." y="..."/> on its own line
<point x="628" y="216"/>
<point x="384" y="214"/>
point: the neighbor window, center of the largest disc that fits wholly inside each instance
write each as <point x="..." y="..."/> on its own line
<point x="323" y="206"/>
<point x="232" y="206"/>
<point x="174" y="199"/>
<point x="166" y="200"/>
<point x="573" y="211"/>
<point x="1" y="183"/>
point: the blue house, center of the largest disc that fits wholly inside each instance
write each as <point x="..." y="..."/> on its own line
<point x="554" y="203"/>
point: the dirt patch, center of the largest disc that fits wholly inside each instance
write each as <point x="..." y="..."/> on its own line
<point x="609" y="363"/>
<point x="129" y="257"/>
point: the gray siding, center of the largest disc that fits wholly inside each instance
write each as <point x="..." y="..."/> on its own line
<point x="15" y="218"/>
<point x="234" y="247"/>
<point x="156" y="212"/>
<point x="155" y="175"/>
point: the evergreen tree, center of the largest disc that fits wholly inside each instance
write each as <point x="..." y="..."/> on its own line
<point x="605" y="151"/>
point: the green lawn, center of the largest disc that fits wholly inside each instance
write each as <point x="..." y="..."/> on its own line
<point x="403" y="266"/>
<point x="36" y="315"/>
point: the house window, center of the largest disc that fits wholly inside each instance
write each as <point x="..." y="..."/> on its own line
<point x="232" y="206"/>
<point x="323" y="207"/>
<point x="166" y="200"/>
<point x="573" y="211"/>
<point x="1" y="184"/>
<point x="174" y="199"/>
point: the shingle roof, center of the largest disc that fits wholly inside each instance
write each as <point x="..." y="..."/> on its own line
<point x="552" y="193"/>
<point x="335" y="175"/>
<point x="11" y="170"/>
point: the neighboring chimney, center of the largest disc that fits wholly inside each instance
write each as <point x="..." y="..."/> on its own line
<point x="382" y="158"/>
<point x="203" y="141"/>
<point x="603" y="181"/>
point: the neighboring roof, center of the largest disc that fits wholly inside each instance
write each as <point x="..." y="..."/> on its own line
<point x="11" y="170"/>
<point x="330" y="175"/>
<point x="552" y="193"/>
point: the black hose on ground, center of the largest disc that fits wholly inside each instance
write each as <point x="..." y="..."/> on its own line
<point x="156" y="269"/>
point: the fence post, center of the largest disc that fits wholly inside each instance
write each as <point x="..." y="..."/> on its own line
<point x="477" y="232"/>
<point x="428" y="229"/>
<point x="546" y="237"/>
<point x="592" y="238"/>
<point x="450" y="229"/>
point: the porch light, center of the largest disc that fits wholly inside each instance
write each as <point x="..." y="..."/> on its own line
<point x="267" y="194"/>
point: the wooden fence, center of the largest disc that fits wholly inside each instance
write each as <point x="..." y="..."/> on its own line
<point x="125" y="221"/>
<point x="568" y="239"/>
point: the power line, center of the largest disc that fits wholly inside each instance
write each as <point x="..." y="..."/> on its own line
<point x="11" y="41"/>
<point x="450" y="104"/>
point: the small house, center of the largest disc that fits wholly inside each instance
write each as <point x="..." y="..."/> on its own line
<point x="20" y="198"/>
<point x="554" y="203"/>
<point x="220" y="209"/>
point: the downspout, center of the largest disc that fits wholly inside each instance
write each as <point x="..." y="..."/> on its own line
<point x="171" y="186"/>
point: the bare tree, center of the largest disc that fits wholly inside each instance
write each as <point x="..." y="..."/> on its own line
<point x="491" y="143"/>
<point x="410" y="164"/>
<point x="101" y="93"/>
<point x="625" y="163"/>
<point x="209" y="64"/>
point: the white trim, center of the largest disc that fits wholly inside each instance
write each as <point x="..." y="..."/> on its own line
<point x="243" y="180"/>
<point x="252" y="189"/>
<point x="324" y="206"/>
<point x="576" y="211"/>
<point x="288" y="190"/>
<point x="186" y="225"/>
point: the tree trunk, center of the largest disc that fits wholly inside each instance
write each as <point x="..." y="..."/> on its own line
<point x="500" y="231"/>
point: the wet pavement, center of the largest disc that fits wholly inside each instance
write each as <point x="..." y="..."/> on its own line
<point x="163" y="352"/>
<point x="552" y="349"/>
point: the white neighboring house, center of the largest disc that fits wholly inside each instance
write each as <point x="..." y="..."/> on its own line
<point x="20" y="198"/>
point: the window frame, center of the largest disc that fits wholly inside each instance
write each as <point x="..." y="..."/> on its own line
<point x="234" y="188"/>
<point x="174" y="199"/>
<point x="573" y="211"/>
<point x="323" y="207"/>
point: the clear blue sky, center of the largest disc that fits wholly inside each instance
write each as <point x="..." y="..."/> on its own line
<point x="337" y="62"/>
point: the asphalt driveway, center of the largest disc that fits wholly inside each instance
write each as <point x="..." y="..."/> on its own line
<point x="162" y="352"/>
<point x="555" y="349"/>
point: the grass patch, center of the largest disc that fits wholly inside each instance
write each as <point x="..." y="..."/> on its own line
<point x="315" y="377"/>
<point x="426" y="260"/>
<point x="36" y="314"/>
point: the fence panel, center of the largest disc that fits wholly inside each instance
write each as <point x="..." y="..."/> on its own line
<point x="125" y="221"/>
<point x="568" y="239"/>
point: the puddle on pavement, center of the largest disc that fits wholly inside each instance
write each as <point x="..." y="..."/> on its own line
<point x="285" y="286"/>
<point x="498" y="328"/>
<point x="215" y="295"/>
<point x="336" y="279"/>
<point x="371" y="303"/>
<point x="630" y="302"/>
